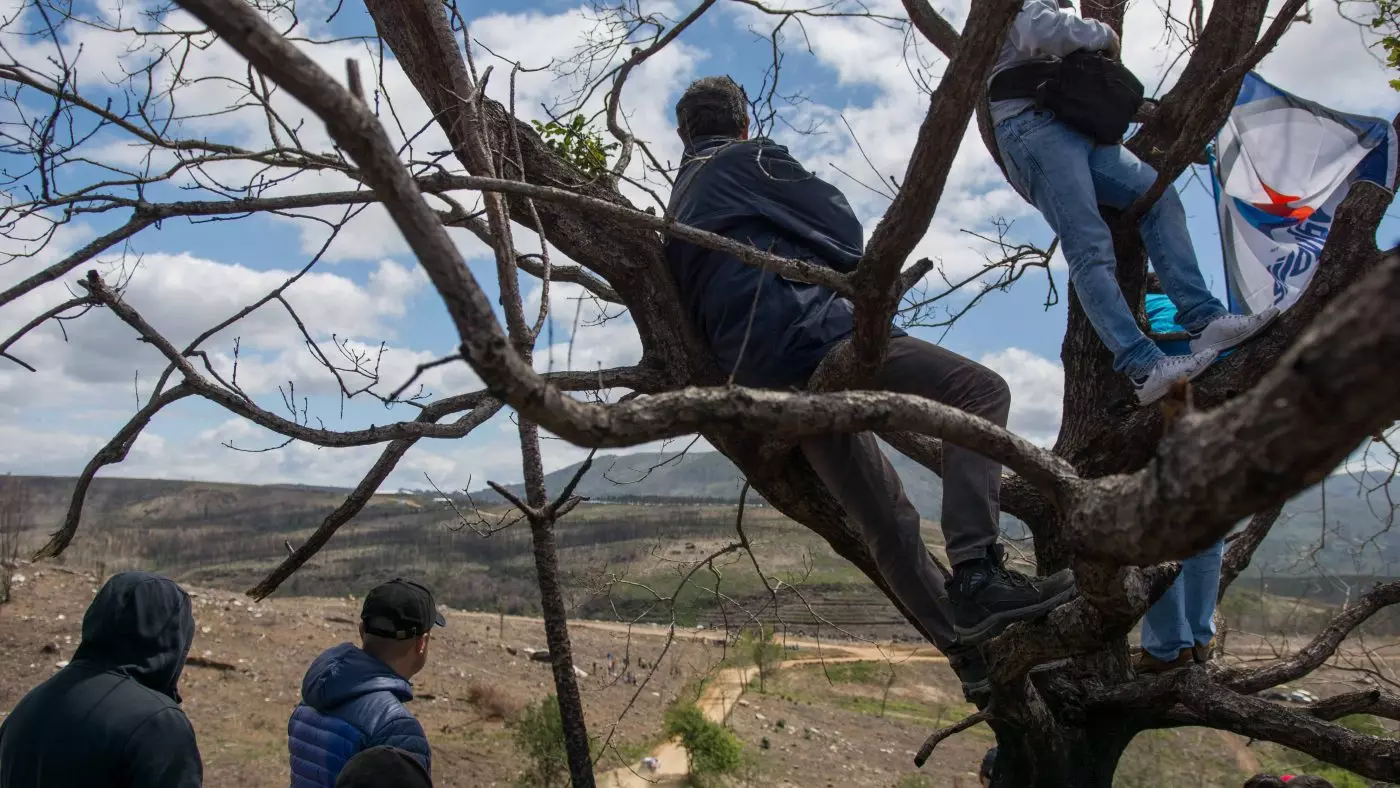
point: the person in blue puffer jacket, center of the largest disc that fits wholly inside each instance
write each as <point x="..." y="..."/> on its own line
<point x="1179" y="628"/>
<point x="352" y="697"/>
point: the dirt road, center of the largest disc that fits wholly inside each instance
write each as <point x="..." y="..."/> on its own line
<point x="717" y="702"/>
<point x="721" y="694"/>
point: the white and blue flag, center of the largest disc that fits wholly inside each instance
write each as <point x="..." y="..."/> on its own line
<point x="1282" y="165"/>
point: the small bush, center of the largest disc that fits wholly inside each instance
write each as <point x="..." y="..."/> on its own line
<point x="492" y="701"/>
<point x="765" y="654"/>
<point x="711" y="749"/>
<point x="539" y="735"/>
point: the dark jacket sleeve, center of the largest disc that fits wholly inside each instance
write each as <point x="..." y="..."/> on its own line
<point x="808" y="208"/>
<point x="405" y="733"/>
<point x="163" y="753"/>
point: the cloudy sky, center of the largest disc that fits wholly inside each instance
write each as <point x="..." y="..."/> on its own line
<point x="856" y="108"/>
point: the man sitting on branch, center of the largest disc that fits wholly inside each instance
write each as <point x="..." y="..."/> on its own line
<point x="770" y="332"/>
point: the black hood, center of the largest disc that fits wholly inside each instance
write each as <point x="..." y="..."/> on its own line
<point x="142" y="625"/>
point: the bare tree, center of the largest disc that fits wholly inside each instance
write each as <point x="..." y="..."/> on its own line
<point x="14" y="508"/>
<point x="1121" y="495"/>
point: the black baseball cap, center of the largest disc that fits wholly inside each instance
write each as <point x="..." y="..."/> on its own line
<point x="400" y="609"/>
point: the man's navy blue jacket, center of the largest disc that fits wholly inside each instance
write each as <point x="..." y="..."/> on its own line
<point x="350" y="702"/>
<point x="111" y="718"/>
<point x="755" y="192"/>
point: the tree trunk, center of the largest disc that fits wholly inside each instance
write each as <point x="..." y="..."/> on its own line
<point x="1086" y="756"/>
<point x="556" y="621"/>
<point x="556" y="633"/>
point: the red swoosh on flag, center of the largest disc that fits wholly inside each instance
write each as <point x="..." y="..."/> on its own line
<point x="1278" y="205"/>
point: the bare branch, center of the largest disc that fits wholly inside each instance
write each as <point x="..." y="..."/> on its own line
<point x="908" y="217"/>
<point x="933" y="26"/>
<point x="114" y="452"/>
<point x="1310" y="657"/>
<point x="89" y="251"/>
<point x="614" y="100"/>
<point x="1369" y="756"/>
<point x="938" y="736"/>
<point x="55" y="313"/>
<point x="1379" y="702"/>
<point x="1242" y="548"/>
<point x="368" y="486"/>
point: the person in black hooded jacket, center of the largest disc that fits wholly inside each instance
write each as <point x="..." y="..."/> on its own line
<point x="771" y="332"/>
<point x="112" y="718"/>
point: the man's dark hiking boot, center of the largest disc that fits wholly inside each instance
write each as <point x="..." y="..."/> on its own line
<point x="987" y="597"/>
<point x="972" y="670"/>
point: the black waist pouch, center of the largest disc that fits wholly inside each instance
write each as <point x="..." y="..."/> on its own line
<point x="1088" y="91"/>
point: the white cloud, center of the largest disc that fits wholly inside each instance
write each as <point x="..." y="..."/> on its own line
<point x="90" y="359"/>
<point x="1037" y="391"/>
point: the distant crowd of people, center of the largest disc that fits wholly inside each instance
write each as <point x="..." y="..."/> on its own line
<point x="111" y="718"/>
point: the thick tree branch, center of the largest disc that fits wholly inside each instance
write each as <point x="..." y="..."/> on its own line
<point x="1369" y="756"/>
<point x="1186" y="149"/>
<point x="1189" y="114"/>
<point x="1078" y="626"/>
<point x="1379" y="702"/>
<point x="933" y="26"/>
<point x="877" y="277"/>
<point x="1332" y="390"/>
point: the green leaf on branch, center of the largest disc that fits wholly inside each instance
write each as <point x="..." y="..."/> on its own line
<point x="577" y="143"/>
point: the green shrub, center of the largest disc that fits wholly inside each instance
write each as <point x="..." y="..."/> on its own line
<point x="711" y="749"/>
<point x="759" y="647"/>
<point x="539" y="735"/>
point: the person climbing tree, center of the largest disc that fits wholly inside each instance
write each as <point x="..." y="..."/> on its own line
<point x="1046" y="76"/>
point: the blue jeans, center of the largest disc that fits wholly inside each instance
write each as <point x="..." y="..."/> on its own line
<point x="1185" y="615"/>
<point x="1067" y="176"/>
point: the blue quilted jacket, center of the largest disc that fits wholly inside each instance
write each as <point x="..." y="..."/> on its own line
<point x="350" y="702"/>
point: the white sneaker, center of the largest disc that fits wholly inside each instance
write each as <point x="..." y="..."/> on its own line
<point x="1169" y="370"/>
<point x="1227" y="331"/>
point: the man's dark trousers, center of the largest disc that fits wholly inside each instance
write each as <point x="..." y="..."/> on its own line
<point x="865" y="484"/>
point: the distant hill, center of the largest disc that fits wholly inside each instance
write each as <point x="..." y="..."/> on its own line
<point x="1342" y="528"/>
<point x="702" y="475"/>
